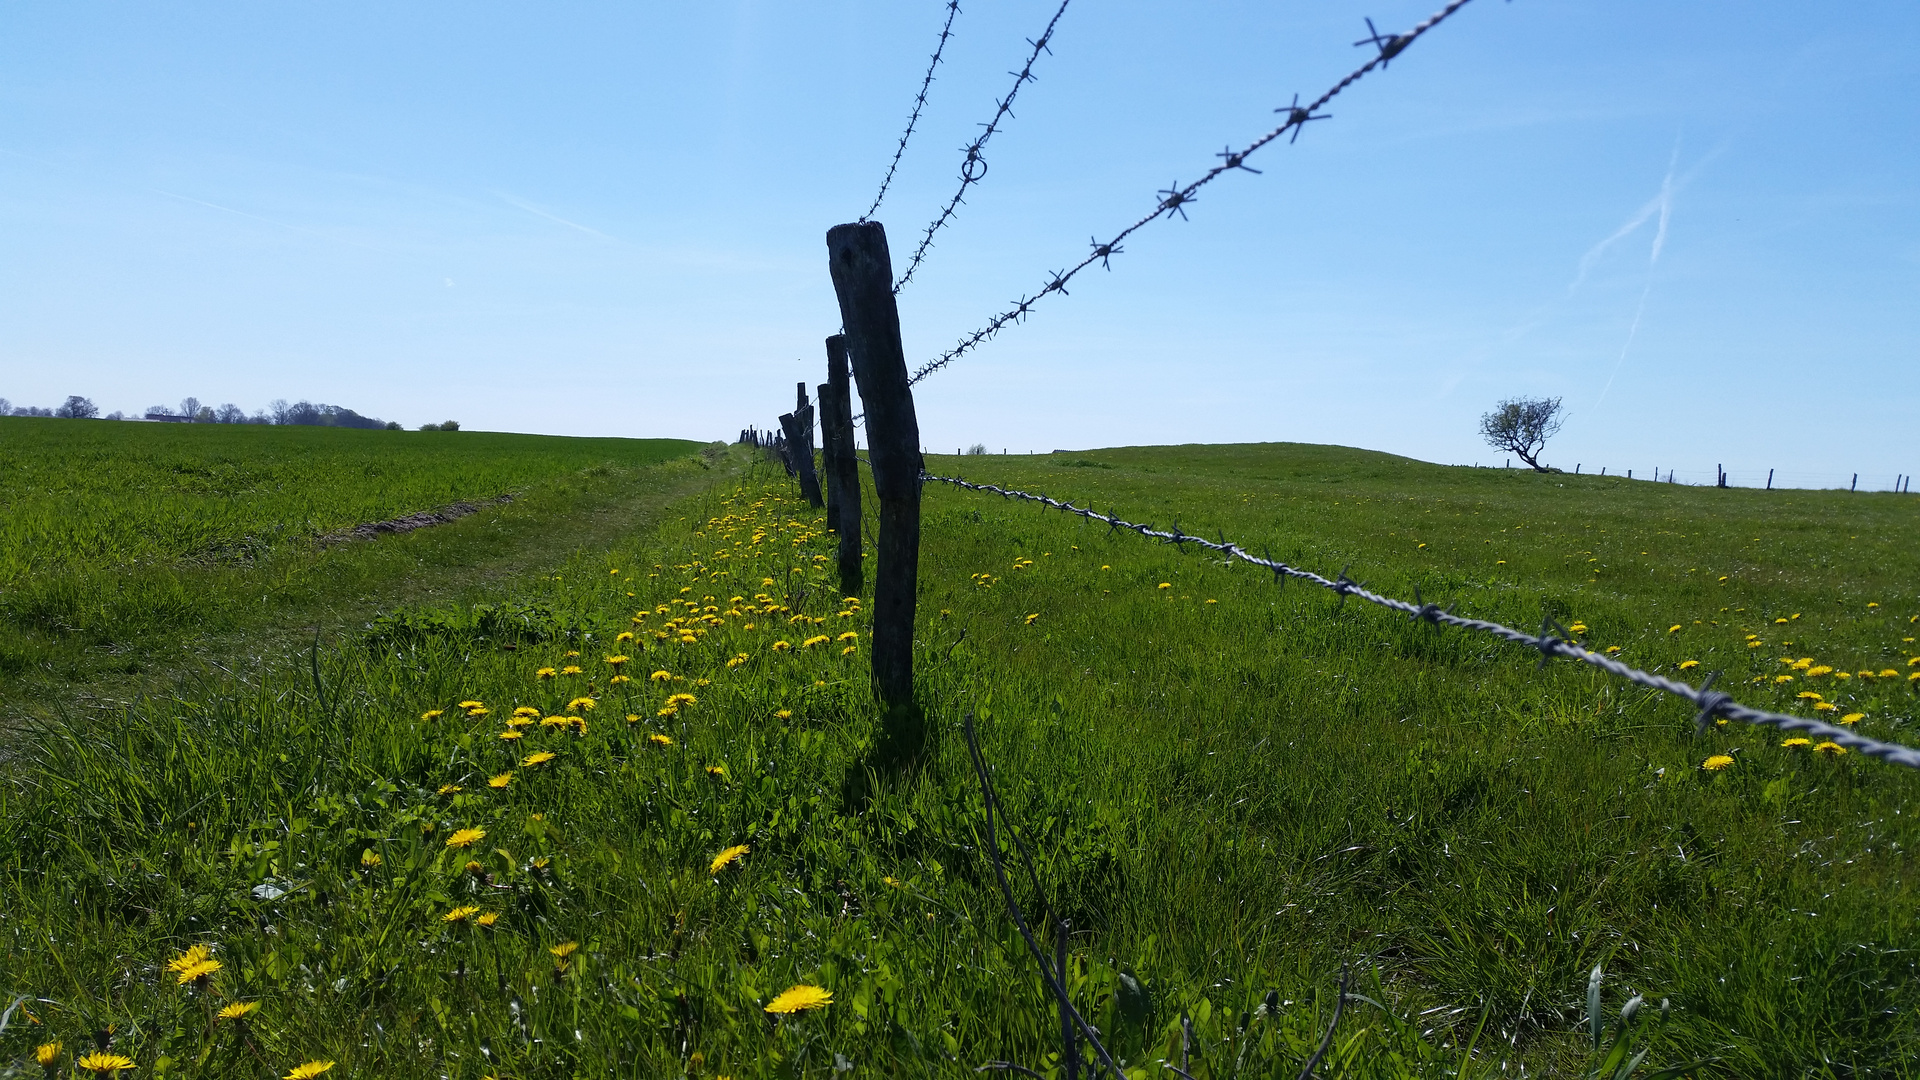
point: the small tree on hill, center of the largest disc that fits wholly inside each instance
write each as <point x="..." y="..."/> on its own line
<point x="1522" y="427"/>
<point x="77" y="408"/>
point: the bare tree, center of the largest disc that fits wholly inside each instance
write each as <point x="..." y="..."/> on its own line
<point x="6" y="406"/>
<point x="230" y="414"/>
<point x="1522" y="426"/>
<point x="190" y="406"/>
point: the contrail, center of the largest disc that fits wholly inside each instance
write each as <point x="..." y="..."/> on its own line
<point x="537" y="212"/>
<point x="1663" y="204"/>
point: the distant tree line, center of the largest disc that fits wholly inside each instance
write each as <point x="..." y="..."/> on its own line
<point x="193" y="411"/>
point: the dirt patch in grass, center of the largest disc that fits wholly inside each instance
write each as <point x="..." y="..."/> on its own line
<point x="425" y="519"/>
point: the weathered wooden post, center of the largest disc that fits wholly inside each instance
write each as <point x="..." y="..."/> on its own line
<point x="798" y="425"/>
<point x="863" y="281"/>
<point x="843" y="465"/>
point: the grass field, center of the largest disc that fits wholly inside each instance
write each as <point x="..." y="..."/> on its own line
<point x="114" y="536"/>
<point x="439" y="851"/>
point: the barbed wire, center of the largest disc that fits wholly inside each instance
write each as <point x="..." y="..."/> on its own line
<point x="973" y="168"/>
<point x="1550" y="643"/>
<point x="1175" y="198"/>
<point x="919" y="102"/>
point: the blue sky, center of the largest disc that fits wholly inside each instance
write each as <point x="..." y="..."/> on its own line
<point x="1698" y="224"/>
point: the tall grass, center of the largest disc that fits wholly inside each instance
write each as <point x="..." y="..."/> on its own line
<point x="1226" y="799"/>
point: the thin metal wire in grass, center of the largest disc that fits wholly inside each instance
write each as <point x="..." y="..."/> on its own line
<point x="1175" y="199"/>
<point x="1550" y="642"/>
<point x="1055" y="977"/>
<point x="919" y="102"/>
<point x="973" y="168"/>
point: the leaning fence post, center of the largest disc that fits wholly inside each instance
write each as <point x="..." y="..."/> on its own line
<point x="798" y="425"/>
<point x="843" y="468"/>
<point x="863" y="282"/>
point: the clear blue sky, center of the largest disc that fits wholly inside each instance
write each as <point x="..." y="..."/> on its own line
<point x="1697" y="223"/>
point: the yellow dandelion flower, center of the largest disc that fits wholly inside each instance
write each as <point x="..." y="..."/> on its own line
<point x="520" y="721"/>
<point x="475" y="869"/>
<point x="800" y="999"/>
<point x="500" y="781"/>
<point x="47" y="1054"/>
<point x="1809" y="695"/>
<point x="737" y="660"/>
<point x="1783" y="678"/>
<point x="433" y="714"/>
<point x="728" y="858"/>
<point x="556" y="721"/>
<point x="465" y="838"/>
<point x="1825" y="706"/>
<point x="449" y="789"/>
<point x="370" y="858"/>
<point x="473" y="704"/>
<point x="781" y="646"/>
<point x="309" y="1070"/>
<point x="193" y="955"/>
<point x="545" y="673"/>
<point x="619" y="680"/>
<point x="1031" y="618"/>
<point x="661" y="676"/>
<point x="1853" y="718"/>
<point x="851" y="635"/>
<point x="510" y="734"/>
<point x="565" y="949"/>
<point x="1689" y="665"/>
<point x="1716" y="763"/>
<point x="570" y="669"/>
<point x="538" y="757"/>
<point x="677" y="700"/>
<point x="101" y="1063"/>
<point x="1165" y="585"/>
<point x="1889" y="673"/>
<point x="783" y="714"/>
<point x="202" y="970"/>
<point x="1819" y="669"/>
<point x="658" y="739"/>
<point x="479" y="712"/>
<point x="718" y="772"/>
<point x="526" y="710"/>
<point x="616" y="661"/>
<point x="460" y="914"/>
<point x="1795" y="744"/>
<point x="849" y="650"/>
<point x="820" y="639"/>
<point x="583" y="704"/>
<point x="1832" y="748"/>
<point x="486" y="919"/>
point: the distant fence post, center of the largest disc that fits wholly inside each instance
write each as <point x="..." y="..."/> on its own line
<point x="863" y="282"/>
<point x="1721" y="472"/>
<point x="798" y="425"/>
<point x="843" y="465"/>
<point x="1769" y="479"/>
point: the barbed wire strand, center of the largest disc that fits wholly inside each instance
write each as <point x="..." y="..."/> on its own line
<point x="1709" y="702"/>
<point x="973" y="168"/>
<point x="1174" y="199"/>
<point x="919" y="102"/>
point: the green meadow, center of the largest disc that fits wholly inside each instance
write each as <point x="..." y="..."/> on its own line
<point x="617" y="807"/>
<point x="115" y="538"/>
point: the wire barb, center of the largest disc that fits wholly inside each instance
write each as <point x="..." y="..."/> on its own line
<point x="973" y="168"/>
<point x="913" y="120"/>
<point x="1170" y="200"/>
<point x="1552" y="640"/>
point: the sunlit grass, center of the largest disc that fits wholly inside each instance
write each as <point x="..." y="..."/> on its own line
<point x="1229" y="788"/>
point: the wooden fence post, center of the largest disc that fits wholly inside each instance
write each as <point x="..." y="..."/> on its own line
<point x="863" y="281"/>
<point x="798" y="425"/>
<point x="843" y="469"/>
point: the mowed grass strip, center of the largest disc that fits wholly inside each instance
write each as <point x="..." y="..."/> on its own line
<point x="117" y="534"/>
<point x="1226" y="799"/>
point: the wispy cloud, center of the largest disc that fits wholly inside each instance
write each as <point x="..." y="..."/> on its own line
<point x="551" y="216"/>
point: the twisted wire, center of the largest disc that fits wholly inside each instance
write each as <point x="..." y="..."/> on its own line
<point x="919" y="102"/>
<point x="1173" y="200"/>
<point x="973" y="168"/>
<point x="1709" y="702"/>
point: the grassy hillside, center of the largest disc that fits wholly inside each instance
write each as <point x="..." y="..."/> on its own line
<point x="442" y="850"/>
<point x="111" y="534"/>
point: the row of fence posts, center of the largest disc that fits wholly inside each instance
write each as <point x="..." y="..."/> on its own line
<point x="869" y="345"/>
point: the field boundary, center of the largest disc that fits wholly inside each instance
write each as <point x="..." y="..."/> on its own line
<point x="1552" y="641"/>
